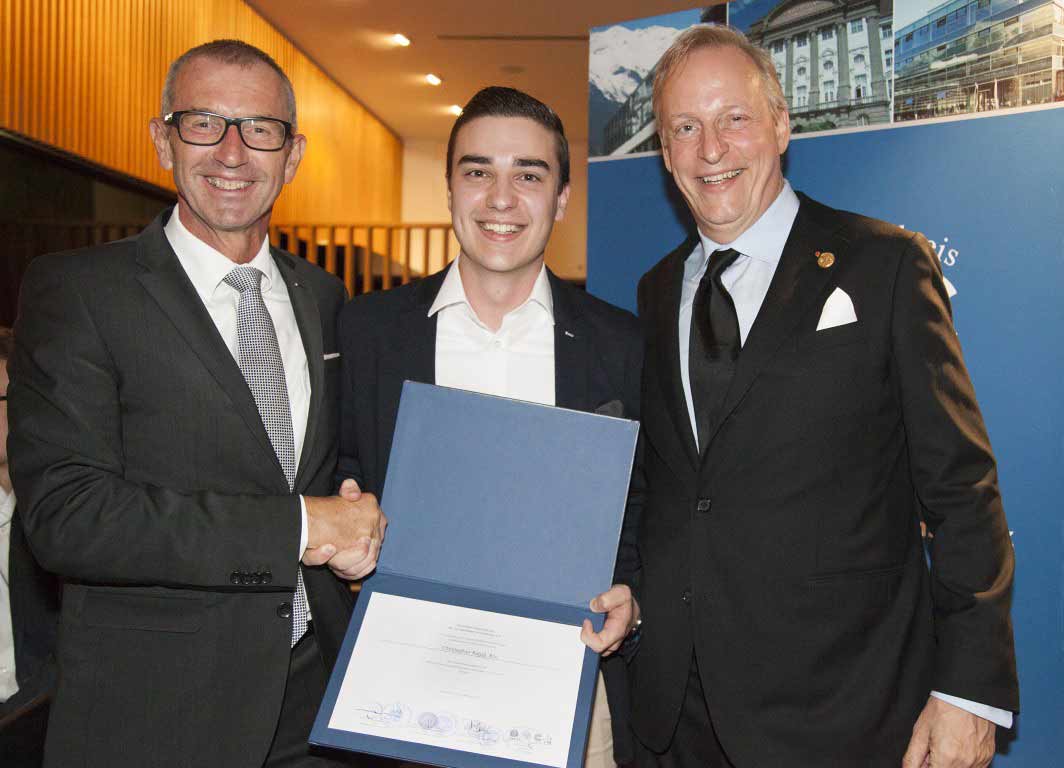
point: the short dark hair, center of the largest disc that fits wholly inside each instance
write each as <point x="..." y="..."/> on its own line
<point x="228" y="52"/>
<point x="7" y="343"/>
<point x="497" y="101"/>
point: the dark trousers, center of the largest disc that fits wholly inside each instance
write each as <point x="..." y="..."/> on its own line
<point x="307" y="678"/>
<point x="694" y="744"/>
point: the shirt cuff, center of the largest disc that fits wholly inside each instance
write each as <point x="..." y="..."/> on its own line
<point x="303" y="529"/>
<point x="997" y="716"/>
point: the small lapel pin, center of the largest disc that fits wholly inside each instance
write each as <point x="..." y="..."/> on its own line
<point x="570" y="334"/>
<point x="825" y="259"/>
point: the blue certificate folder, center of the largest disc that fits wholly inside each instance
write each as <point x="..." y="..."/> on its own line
<point x="499" y="505"/>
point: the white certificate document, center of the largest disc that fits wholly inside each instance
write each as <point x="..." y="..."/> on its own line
<point x="462" y="678"/>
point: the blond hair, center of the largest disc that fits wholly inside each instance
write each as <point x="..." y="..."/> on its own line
<point x="716" y="36"/>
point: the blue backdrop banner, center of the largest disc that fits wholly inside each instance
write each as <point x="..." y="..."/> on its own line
<point x="989" y="193"/>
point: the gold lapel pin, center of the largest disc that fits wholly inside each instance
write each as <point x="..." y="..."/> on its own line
<point x="825" y="259"/>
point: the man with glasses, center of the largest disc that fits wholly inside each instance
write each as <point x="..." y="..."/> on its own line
<point x="174" y="442"/>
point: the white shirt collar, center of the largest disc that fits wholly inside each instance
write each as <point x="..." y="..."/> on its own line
<point x="452" y="292"/>
<point x="207" y="267"/>
<point x="766" y="237"/>
<point x="7" y="506"/>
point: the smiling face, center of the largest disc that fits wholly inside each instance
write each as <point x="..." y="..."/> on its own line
<point x="503" y="193"/>
<point x="227" y="189"/>
<point x="722" y="141"/>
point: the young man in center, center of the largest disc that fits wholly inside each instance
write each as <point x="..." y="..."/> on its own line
<point x="496" y="320"/>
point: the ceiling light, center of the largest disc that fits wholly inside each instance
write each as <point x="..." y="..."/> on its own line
<point x="400" y="40"/>
<point x="455" y="110"/>
<point x="431" y="79"/>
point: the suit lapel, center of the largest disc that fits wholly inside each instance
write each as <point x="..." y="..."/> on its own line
<point x="795" y="288"/>
<point x="572" y="349"/>
<point x="413" y="356"/>
<point x="165" y="280"/>
<point x="308" y="320"/>
<point x="666" y="323"/>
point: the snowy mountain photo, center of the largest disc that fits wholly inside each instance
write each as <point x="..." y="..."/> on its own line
<point x="621" y="57"/>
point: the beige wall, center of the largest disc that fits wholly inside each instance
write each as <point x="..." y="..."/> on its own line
<point x="425" y="201"/>
<point x="424" y="186"/>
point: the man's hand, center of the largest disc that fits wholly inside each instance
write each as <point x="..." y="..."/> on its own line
<point x="622" y="613"/>
<point x="345" y="532"/>
<point x="349" y="490"/>
<point x="946" y="736"/>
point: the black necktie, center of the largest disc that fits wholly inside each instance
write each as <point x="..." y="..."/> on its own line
<point x="714" y="345"/>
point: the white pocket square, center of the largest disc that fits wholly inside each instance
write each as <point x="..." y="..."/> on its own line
<point x="838" y="310"/>
<point x="330" y="356"/>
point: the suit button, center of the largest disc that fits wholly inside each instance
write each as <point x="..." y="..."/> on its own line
<point x="234" y="577"/>
<point x="267" y="577"/>
<point x="686" y="596"/>
<point x="284" y="610"/>
<point x="704" y="505"/>
<point x="256" y="578"/>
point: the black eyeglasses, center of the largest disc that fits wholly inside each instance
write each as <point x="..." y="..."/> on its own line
<point x="205" y="129"/>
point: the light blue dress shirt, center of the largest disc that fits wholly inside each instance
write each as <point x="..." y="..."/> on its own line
<point x="747" y="280"/>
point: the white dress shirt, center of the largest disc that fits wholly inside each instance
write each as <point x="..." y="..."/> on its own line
<point x="207" y="268"/>
<point x="747" y="281"/>
<point x="516" y="361"/>
<point x="8" y="681"/>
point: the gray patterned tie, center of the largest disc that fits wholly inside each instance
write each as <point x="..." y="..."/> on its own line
<point x="260" y="362"/>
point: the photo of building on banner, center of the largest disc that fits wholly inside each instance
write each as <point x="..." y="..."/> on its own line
<point x="835" y="60"/>
<point x="971" y="56"/>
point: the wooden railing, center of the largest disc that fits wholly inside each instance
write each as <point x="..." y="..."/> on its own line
<point x="369" y="257"/>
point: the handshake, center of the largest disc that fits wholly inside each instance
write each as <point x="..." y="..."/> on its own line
<point x="345" y="531"/>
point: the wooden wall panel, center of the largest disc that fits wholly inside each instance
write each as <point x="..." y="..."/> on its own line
<point x="85" y="76"/>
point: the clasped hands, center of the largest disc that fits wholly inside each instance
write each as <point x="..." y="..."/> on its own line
<point x="345" y="531"/>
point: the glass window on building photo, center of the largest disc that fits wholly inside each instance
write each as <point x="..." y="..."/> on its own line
<point x="857" y="25"/>
<point x="979" y="56"/>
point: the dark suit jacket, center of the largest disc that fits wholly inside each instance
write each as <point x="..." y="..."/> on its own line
<point x="788" y="556"/>
<point x="146" y="479"/>
<point x="386" y="338"/>
<point x="35" y="597"/>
